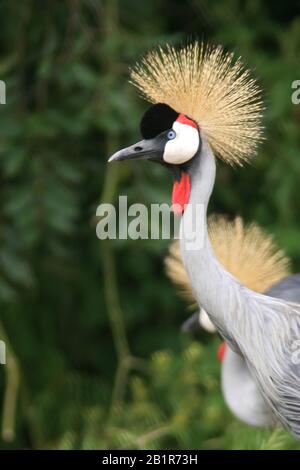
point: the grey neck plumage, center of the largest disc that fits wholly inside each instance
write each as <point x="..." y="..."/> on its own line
<point x="214" y="288"/>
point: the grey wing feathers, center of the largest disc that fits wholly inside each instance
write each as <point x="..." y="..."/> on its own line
<point x="273" y="360"/>
<point x="289" y="289"/>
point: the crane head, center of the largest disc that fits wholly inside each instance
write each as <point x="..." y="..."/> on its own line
<point x="172" y="139"/>
<point x="198" y="92"/>
<point x="209" y="86"/>
<point x="169" y="138"/>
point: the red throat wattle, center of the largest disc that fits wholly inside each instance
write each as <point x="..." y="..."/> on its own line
<point x="181" y="193"/>
<point x="221" y="351"/>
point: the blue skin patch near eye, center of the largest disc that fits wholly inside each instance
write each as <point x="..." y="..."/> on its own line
<point x="171" y="135"/>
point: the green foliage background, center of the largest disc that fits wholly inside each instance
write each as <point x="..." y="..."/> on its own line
<point x="95" y="356"/>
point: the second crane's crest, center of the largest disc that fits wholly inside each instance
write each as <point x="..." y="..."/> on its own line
<point x="209" y="86"/>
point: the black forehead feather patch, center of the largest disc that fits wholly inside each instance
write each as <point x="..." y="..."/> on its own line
<point x="157" y="119"/>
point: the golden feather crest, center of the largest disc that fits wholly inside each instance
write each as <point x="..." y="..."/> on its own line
<point x="208" y="85"/>
<point x="246" y="251"/>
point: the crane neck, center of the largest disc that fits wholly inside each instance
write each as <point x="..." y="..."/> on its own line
<point x="202" y="173"/>
<point x="206" y="274"/>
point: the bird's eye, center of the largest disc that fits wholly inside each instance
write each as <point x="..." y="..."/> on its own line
<point x="171" y="134"/>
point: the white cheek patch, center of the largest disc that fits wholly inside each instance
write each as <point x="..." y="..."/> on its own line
<point x="184" y="146"/>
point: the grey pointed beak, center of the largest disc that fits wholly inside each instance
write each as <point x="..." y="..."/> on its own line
<point x="148" y="149"/>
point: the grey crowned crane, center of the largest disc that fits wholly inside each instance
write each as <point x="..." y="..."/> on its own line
<point x="249" y="254"/>
<point x="205" y="103"/>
